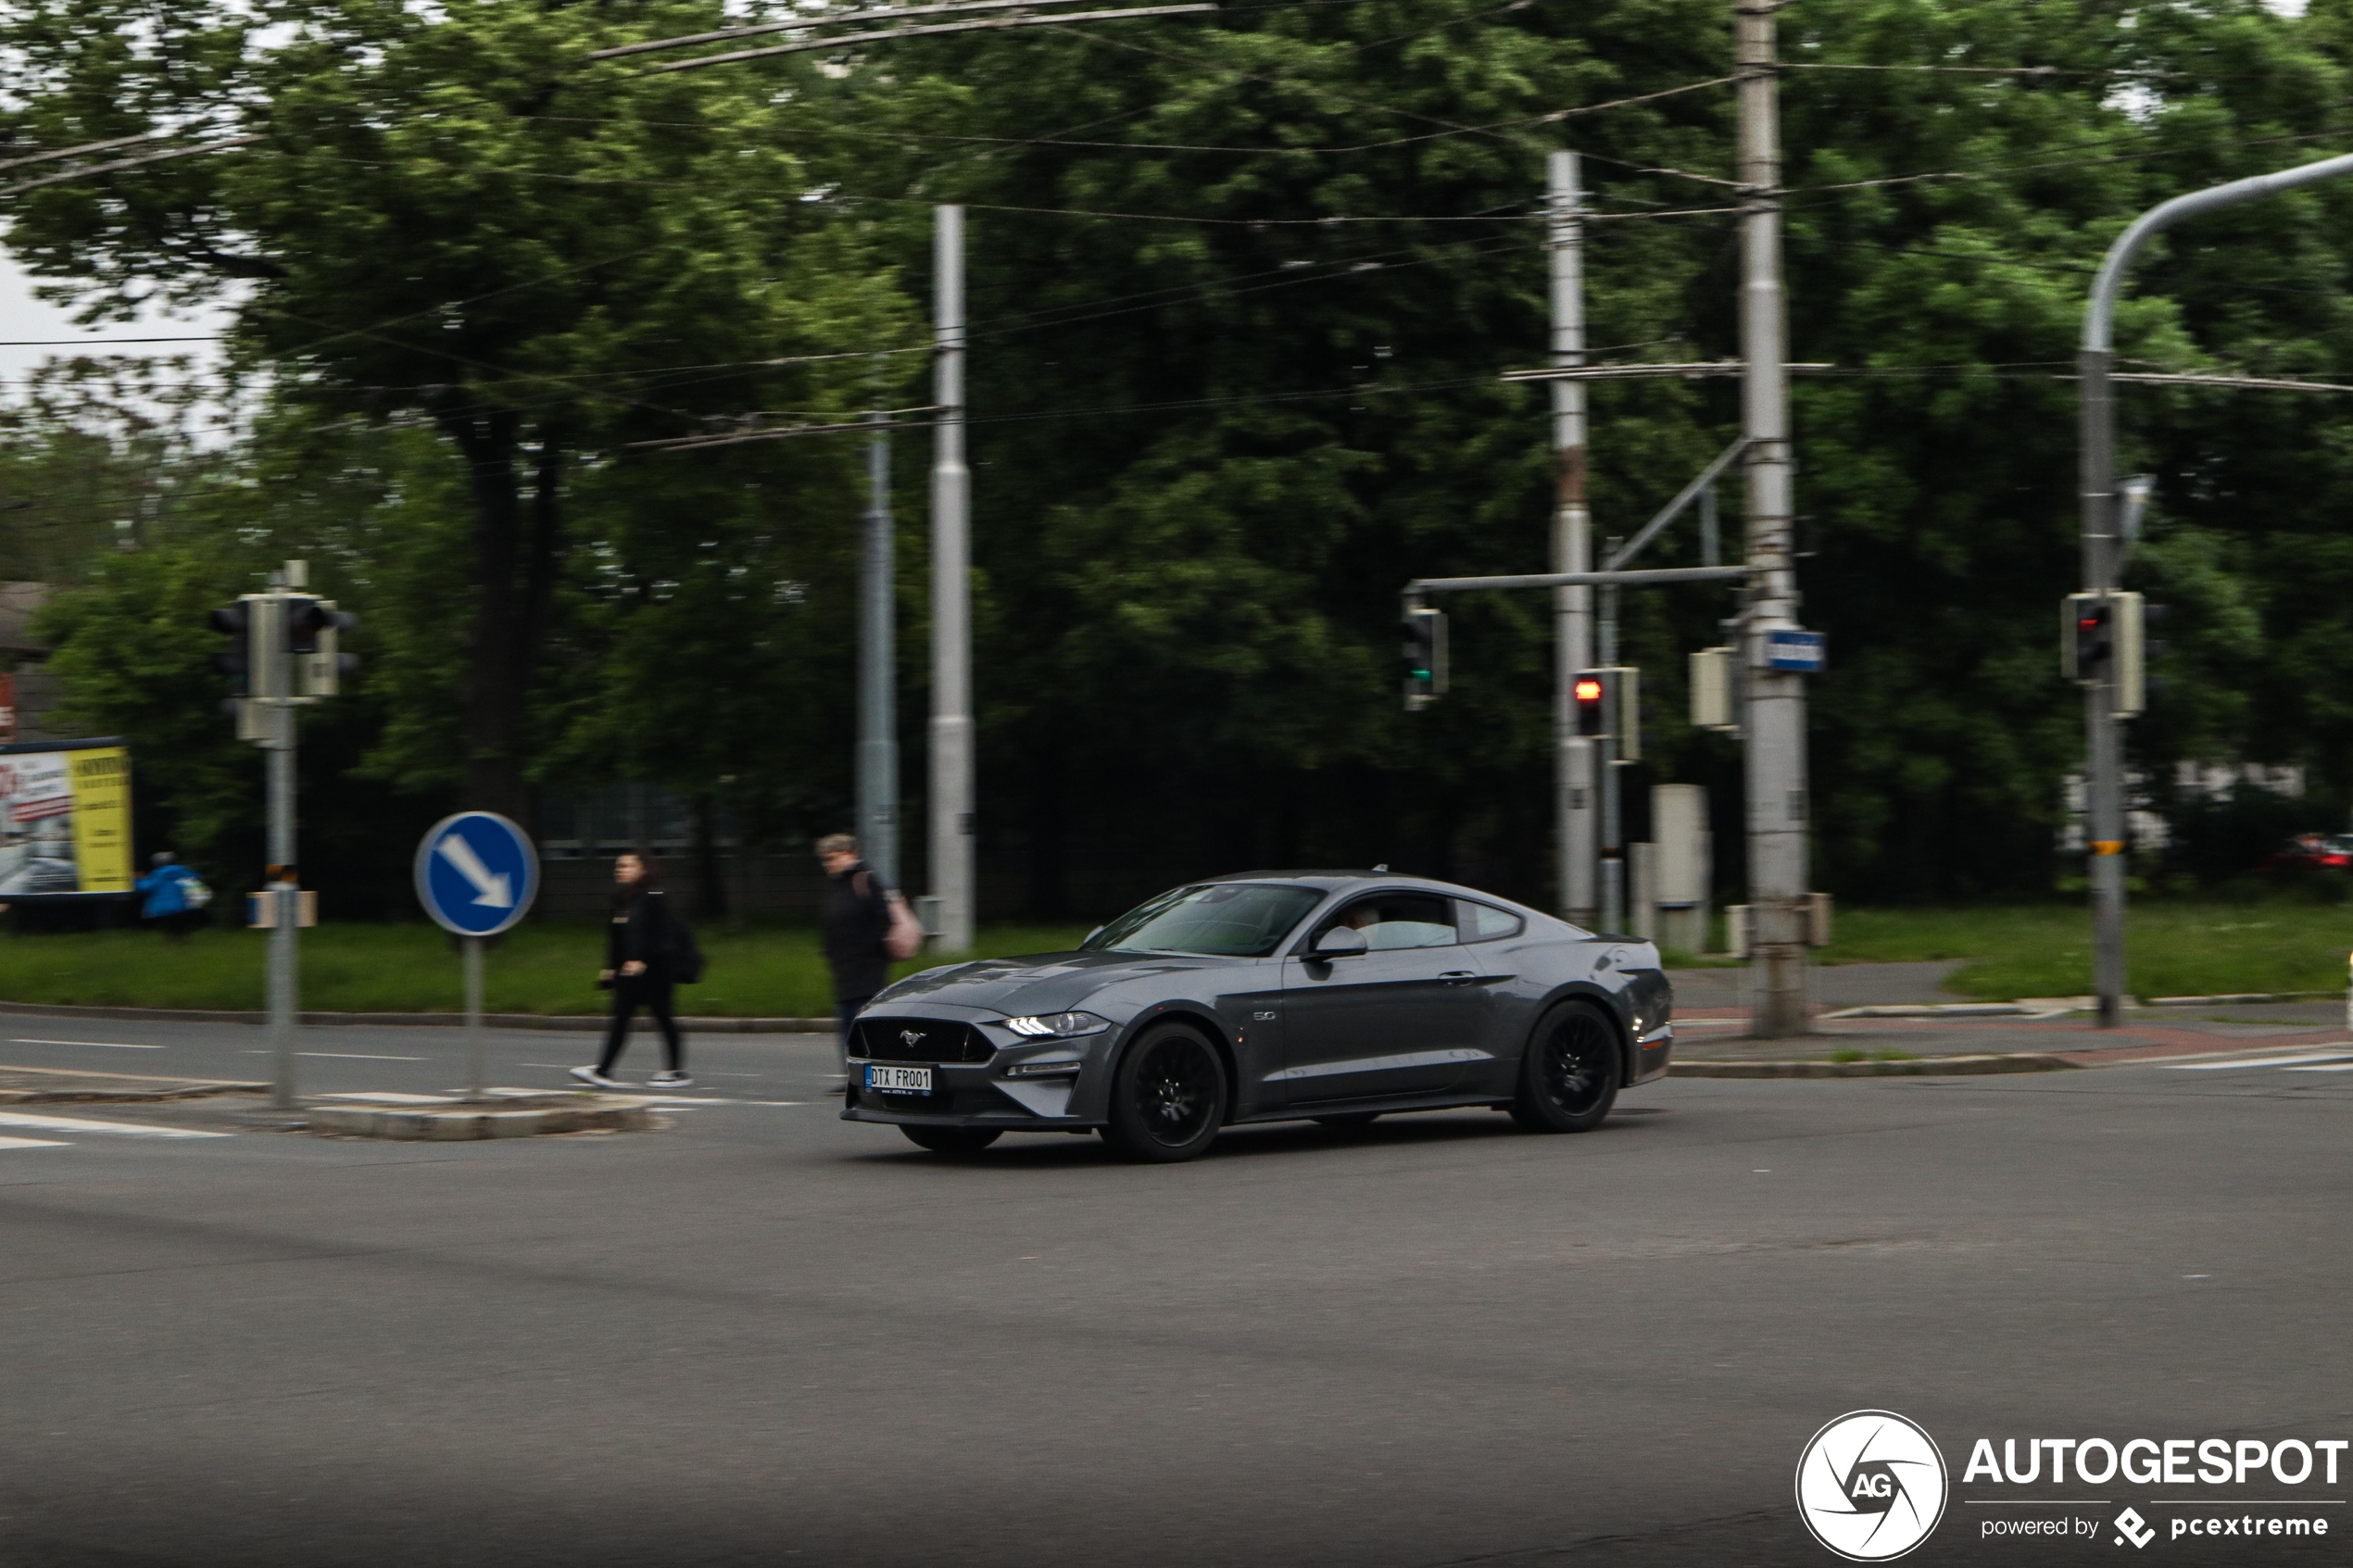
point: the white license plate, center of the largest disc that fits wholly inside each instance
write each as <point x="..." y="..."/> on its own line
<point x="899" y="1080"/>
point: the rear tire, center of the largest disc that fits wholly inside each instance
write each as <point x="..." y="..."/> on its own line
<point x="1569" y="1073"/>
<point x="1168" y="1097"/>
<point x="949" y="1140"/>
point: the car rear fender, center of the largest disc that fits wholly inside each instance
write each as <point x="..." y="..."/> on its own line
<point x="1612" y="1005"/>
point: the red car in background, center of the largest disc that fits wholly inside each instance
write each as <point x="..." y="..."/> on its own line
<point x="2320" y="850"/>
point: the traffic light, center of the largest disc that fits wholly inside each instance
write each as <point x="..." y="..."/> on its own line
<point x="2100" y="640"/>
<point x="314" y="629"/>
<point x="1608" y="704"/>
<point x="235" y="661"/>
<point x="1425" y="656"/>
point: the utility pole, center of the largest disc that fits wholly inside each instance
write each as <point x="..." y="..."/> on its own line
<point x="951" y="720"/>
<point x="1573" y="760"/>
<point x="878" y="668"/>
<point x="1778" y="806"/>
<point x="2102" y="544"/>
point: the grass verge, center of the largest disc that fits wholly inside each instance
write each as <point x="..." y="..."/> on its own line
<point x="2173" y="947"/>
<point x="776" y="972"/>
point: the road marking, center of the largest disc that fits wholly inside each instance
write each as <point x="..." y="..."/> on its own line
<point x="2259" y="1061"/>
<point x="105" y="1045"/>
<point x="84" y="1124"/>
<point x="345" y="1056"/>
<point x="33" y="1143"/>
<point x="2332" y="1067"/>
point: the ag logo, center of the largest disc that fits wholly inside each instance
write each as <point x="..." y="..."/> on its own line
<point x="1871" y="1486"/>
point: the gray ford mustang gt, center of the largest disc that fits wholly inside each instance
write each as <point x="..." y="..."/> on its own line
<point x="1271" y="995"/>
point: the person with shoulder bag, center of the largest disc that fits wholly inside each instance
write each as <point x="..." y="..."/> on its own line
<point x="867" y="928"/>
<point x="646" y="952"/>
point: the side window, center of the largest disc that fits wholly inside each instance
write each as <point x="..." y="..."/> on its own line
<point x="1483" y="923"/>
<point x="1391" y="921"/>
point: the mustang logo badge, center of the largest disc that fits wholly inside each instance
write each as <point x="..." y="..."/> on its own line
<point x="912" y="1036"/>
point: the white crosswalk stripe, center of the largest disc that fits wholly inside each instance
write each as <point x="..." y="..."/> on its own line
<point x="33" y="1143"/>
<point x="91" y="1124"/>
<point x="2302" y="1061"/>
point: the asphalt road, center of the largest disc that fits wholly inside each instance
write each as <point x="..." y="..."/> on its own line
<point x="766" y="1336"/>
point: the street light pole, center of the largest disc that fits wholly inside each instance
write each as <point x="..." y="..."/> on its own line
<point x="2096" y="411"/>
<point x="1572" y="545"/>
<point x="1777" y="797"/>
<point x="952" y="723"/>
<point x="878" y="668"/>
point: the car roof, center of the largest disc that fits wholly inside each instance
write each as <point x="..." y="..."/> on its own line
<point x="1330" y="880"/>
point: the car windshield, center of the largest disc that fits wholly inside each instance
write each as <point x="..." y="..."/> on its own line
<point x="1237" y="920"/>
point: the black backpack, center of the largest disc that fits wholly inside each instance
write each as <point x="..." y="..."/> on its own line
<point x="684" y="959"/>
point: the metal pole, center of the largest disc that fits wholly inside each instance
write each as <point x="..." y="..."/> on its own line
<point x="1613" y="856"/>
<point x="2096" y="408"/>
<point x="477" y="1050"/>
<point x="276" y="680"/>
<point x="1711" y="537"/>
<point x="1573" y="763"/>
<point x="1777" y="795"/>
<point x="952" y="724"/>
<point x="878" y="668"/>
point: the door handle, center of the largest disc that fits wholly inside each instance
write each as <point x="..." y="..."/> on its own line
<point x="1457" y="976"/>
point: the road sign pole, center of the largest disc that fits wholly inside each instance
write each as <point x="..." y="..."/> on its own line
<point x="477" y="1050"/>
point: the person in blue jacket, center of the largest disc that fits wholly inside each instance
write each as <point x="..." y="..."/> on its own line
<point x="168" y="908"/>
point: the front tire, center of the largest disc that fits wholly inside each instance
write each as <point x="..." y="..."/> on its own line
<point x="1568" y="1074"/>
<point x="949" y="1140"/>
<point x="1168" y="1097"/>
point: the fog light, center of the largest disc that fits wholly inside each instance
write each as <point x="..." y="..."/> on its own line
<point x="1044" y="1070"/>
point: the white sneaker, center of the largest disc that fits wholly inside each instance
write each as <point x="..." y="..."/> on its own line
<point x="590" y="1076"/>
<point x="668" y="1080"/>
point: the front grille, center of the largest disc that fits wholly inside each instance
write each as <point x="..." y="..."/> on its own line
<point x="934" y="1039"/>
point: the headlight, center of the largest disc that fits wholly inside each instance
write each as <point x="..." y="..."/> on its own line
<point x="1061" y="1025"/>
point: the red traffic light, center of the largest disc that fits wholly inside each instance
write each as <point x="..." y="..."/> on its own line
<point x="1589" y="691"/>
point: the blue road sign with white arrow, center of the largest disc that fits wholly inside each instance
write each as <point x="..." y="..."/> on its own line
<point x="476" y="873"/>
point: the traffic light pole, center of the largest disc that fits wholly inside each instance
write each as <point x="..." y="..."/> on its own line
<point x="2102" y="545"/>
<point x="1575" y="769"/>
<point x="951" y="721"/>
<point x="274" y="684"/>
<point x="1778" y="807"/>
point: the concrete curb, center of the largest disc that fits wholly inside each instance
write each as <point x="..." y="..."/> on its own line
<point x="585" y="1023"/>
<point x="1921" y="1067"/>
<point x="126" y="1096"/>
<point x="467" y="1124"/>
<point x="2233" y="999"/>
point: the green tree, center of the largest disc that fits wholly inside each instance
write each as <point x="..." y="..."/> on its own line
<point x="446" y="213"/>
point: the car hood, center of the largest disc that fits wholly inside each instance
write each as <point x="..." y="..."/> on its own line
<point x="1041" y="983"/>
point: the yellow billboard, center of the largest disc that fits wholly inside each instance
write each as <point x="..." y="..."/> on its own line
<point x="64" y="819"/>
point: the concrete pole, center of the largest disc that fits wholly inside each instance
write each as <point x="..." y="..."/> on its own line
<point x="1776" y="792"/>
<point x="951" y="721"/>
<point x="1575" y="812"/>
<point x="2096" y="410"/>
<point x="878" y="668"/>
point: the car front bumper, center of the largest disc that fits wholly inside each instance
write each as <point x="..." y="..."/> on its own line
<point x="990" y="1092"/>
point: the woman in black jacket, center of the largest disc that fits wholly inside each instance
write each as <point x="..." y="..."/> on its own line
<point x="638" y="946"/>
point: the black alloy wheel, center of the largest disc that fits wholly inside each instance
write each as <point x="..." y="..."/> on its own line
<point x="1568" y="1074"/>
<point x="949" y="1140"/>
<point x="1168" y="1097"/>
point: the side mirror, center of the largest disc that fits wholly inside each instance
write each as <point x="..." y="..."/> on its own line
<point x="1339" y="942"/>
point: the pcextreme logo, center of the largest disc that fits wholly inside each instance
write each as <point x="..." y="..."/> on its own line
<point x="1871" y="1485"/>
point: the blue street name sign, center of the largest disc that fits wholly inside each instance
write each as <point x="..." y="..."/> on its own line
<point x="476" y="873"/>
<point x="1800" y="651"/>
